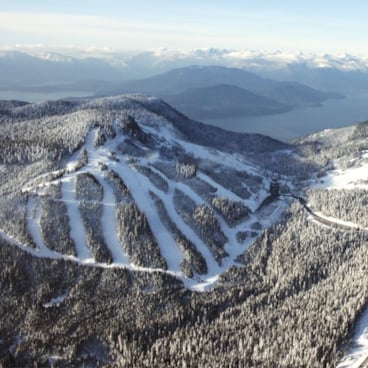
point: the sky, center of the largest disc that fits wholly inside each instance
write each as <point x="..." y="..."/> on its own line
<point x="322" y="26"/>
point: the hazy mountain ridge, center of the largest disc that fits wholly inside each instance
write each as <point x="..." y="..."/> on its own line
<point x="339" y="73"/>
<point x="223" y="101"/>
<point x="76" y="291"/>
<point x="178" y="85"/>
<point x="24" y="72"/>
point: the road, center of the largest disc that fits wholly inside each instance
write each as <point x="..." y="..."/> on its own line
<point x="324" y="220"/>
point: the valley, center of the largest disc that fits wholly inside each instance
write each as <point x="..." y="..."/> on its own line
<point x="302" y="121"/>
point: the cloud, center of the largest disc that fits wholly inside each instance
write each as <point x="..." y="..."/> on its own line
<point x="97" y="31"/>
<point x="49" y="27"/>
<point x="192" y="28"/>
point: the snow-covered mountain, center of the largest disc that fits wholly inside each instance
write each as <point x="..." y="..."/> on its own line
<point x="115" y="212"/>
<point x="53" y="71"/>
<point x="134" y="187"/>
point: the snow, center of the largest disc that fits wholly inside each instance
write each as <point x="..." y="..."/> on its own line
<point x="273" y="213"/>
<point x="42" y="180"/>
<point x="33" y="222"/>
<point x="77" y="231"/>
<point x="109" y="225"/>
<point x="350" y="178"/>
<point x="332" y="137"/>
<point x="212" y="265"/>
<point x="140" y="187"/>
<point x="230" y="160"/>
<point x="251" y="202"/>
<point x="359" y="351"/>
<point x="13" y="241"/>
<point x="232" y="247"/>
<point x="221" y="191"/>
<point x="338" y="221"/>
<point x="55" y="302"/>
<point x="108" y="216"/>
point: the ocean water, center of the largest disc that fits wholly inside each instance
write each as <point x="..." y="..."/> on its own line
<point x="302" y="121"/>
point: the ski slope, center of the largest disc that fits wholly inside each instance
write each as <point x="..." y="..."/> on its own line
<point x="141" y="187"/>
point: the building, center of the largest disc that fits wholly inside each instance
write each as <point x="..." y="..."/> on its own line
<point x="274" y="188"/>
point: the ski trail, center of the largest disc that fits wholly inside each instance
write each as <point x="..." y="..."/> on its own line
<point x="221" y="191"/>
<point x="33" y="216"/>
<point x="138" y="185"/>
<point x="109" y="224"/>
<point x="213" y="267"/>
<point x="213" y="154"/>
<point x="232" y="247"/>
<point x="55" y="255"/>
<point x="77" y="231"/>
<point x="108" y="220"/>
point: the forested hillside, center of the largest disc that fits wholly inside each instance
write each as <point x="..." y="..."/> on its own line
<point x="132" y="236"/>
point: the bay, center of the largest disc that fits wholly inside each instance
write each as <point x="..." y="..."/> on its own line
<point x="303" y="121"/>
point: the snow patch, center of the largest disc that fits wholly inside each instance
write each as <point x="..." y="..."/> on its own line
<point x="351" y="178"/>
<point x="55" y="302"/>
<point x="359" y="351"/>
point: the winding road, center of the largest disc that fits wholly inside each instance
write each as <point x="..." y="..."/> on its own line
<point x="323" y="220"/>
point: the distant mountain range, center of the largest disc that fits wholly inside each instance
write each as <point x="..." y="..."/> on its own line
<point x="157" y="73"/>
<point x="216" y="91"/>
<point x="40" y="66"/>
<point x="20" y="71"/>
<point x="221" y="101"/>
